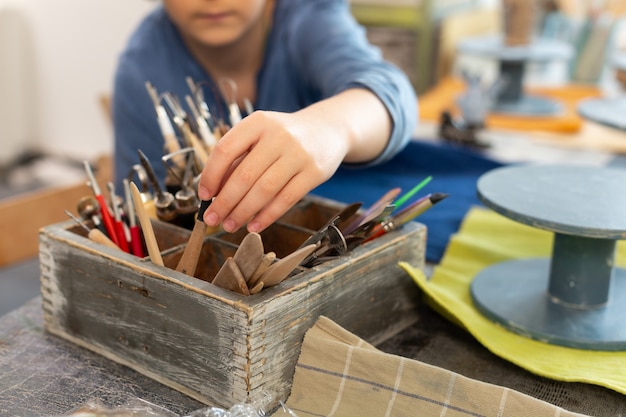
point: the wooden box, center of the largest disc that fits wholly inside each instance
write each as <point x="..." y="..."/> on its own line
<point x="209" y="343"/>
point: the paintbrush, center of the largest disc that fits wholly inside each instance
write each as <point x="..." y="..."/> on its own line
<point x="406" y="215"/>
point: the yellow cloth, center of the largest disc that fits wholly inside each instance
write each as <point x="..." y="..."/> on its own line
<point x="444" y="94"/>
<point x="485" y="238"/>
<point x="340" y="375"/>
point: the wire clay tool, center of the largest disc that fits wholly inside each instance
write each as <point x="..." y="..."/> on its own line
<point x="95" y="235"/>
<point x="146" y="226"/>
<point x="107" y="219"/>
<point x="171" y="143"/>
<point x="164" y="201"/>
<point x="189" y="260"/>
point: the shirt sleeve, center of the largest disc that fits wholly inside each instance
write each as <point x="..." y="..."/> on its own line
<point x="332" y="51"/>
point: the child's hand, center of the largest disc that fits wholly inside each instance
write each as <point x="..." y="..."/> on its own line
<point x="266" y="164"/>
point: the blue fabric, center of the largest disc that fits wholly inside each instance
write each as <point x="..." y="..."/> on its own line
<point x="454" y="170"/>
<point x="314" y="50"/>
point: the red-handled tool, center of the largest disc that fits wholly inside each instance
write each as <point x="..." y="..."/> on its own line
<point x="107" y="219"/>
<point x="117" y="219"/>
<point x="136" y="242"/>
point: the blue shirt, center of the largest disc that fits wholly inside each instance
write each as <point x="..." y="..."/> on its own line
<point x="315" y="50"/>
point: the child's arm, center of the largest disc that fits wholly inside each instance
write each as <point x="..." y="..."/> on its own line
<point x="270" y="160"/>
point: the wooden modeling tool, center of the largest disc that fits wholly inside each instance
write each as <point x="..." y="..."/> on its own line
<point x="95" y="235"/>
<point x="189" y="261"/>
<point x="266" y="261"/>
<point x="230" y="277"/>
<point x="280" y="270"/>
<point x="146" y="226"/>
<point x="249" y="255"/>
<point x="256" y="289"/>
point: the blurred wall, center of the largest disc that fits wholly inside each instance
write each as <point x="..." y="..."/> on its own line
<point x="57" y="58"/>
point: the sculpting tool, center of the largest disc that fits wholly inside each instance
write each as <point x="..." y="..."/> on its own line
<point x="136" y="244"/>
<point x="117" y="218"/>
<point x="201" y="105"/>
<point x="95" y="235"/>
<point x="146" y="226"/>
<point x="189" y="136"/>
<point x="203" y="127"/>
<point x="230" y="278"/>
<point x="89" y="209"/>
<point x="142" y="176"/>
<point x="406" y="215"/>
<point x="248" y="105"/>
<point x="107" y="219"/>
<point x="187" y="201"/>
<point x="189" y="261"/>
<point x="249" y="255"/>
<point x="416" y="209"/>
<point x="400" y="201"/>
<point x="280" y="270"/>
<point x="267" y="260"/>
<point x="234" y="114"/>
<point x="376" y="207"/>
<point x="167" y="130"/>
<point x="164" y="201"/>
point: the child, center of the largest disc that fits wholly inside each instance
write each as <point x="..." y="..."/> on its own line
<point x="323" y="96"/>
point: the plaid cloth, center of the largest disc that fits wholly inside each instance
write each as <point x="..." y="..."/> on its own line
<point x="340" y="375"/>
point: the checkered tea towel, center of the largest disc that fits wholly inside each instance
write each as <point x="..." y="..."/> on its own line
<point x="340" y="375"/>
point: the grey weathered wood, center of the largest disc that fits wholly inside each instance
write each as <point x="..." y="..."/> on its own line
<point x="212" y="344"/>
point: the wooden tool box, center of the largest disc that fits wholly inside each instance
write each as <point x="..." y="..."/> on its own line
<point x="213" y="344"/>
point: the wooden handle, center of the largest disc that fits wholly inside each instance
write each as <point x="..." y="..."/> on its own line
<point x="199" y="150"/>
<point x="97" y="236"/>
<point x="146" y="226"/>
<point x="189" y="261"/>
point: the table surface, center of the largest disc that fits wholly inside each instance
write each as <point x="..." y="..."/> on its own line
<point x="43" y="375"/>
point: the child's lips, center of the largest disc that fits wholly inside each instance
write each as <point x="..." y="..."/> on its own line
<point x="214" y="16"/>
